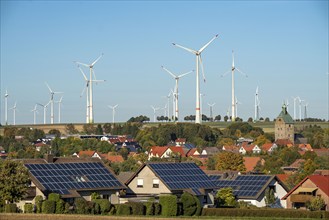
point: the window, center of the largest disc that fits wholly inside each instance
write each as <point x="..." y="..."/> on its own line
<point x="140" y="183"/>
<point x="205" y="199"/>
<point x="106" y="197"/>
<point x="156" y="183"/>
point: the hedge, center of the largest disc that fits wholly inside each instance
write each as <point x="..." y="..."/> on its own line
<point x="28" y="208"/>
<point x="189" y="204"/>
<point x="54" y="197"/>
<point x="38" y="202"/>
<point x="104" y="205"/>
<point x="11" y="208"/>
<point x="123" y="209"/>
<point x="157" y="209"/>
<point x="48" y="207"/>
<point x="168" y="205"/>
<point x="275" y="213"/>
<point x="149" y="208"/>
<point x="137" y="208"/>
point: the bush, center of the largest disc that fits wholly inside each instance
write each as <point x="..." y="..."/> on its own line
<point x="66" y="208"/>
<point x="81" y="206"/>
<point x="54" y="197"/>
<point x="189" y="204"/>
<point x="157" y="208"/>
<point x="38" y="203"/>
<point x="28" y="208"/>
<point x="168" y="205"/>
<point x="198" y="206"/>
<point x="137" y="208"/>
<point x="48" y="207"/>
<point x="11" y="208"/>
<point x="123" y="209"/>
<point x="104" y="205"/>
<point x="60" y="207"/>
<point x="149" y="208"/>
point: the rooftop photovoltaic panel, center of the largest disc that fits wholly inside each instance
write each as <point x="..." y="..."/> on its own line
<point x="61" y="177"/>
<point x="182" y="176"/>
<point x="244" y="185"/>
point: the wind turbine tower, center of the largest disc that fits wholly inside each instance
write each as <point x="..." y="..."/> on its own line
<point x="44" y="111"/>
<point x="233" y="89"/>
<point x="34" y="113"/>
<point x="91" y="72"/>
<point x="154" y="111"/>
<point x="6" y="107"/>
<point x="52" y="93"/>
<point x="197" y="53"/>
<point x="14" y="113"/>
<point x="211" y="108"/>
<point x="300" y="108"/>
<point x="305" y="111"/>
<point x="236" y="106"/>
<point x="176" y="88"/>
<point x="257" y="102"/>
<point x="201" y="104"/>
<point x="59" y="109"/>
<point x="113" y="111"/>
<point x="295" y="98"/>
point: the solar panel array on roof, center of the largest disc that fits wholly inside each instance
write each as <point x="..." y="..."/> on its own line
<point x="182" y="176"/>
<point x="244" y="185"/>
<point x="61" y="177"/>
<point x="189" y="146"/>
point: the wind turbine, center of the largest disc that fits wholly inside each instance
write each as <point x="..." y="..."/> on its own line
<point x="34" y="113"/>
<point x="300" y="108"/>
<point x="257" y="102"/>
<point x="14" y="113"/>
<point x="305" y="111"/>
<point x="287" y="104"/>
<point x="52" y="93"/>
<point x="233" y="90"/>
<point x="295" y="98"/>
<point x="154" y="111"/>
<point x="236" y="106"/>
<point x="176" y="87"/>
<point x="211" y="107"/>
<point x="6" y="107"/>
<point x="201" y="95"/>
<point x="91" y="71"/>
<point x="168" y="104"/>
<point x="113" y="111"/>
<point x="59" y="109"/>
<point x="198" y="59"/>
<point x="44" y="111"/>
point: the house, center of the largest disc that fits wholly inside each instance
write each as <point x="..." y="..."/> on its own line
<point x="284" y="126"/>
<point x="160" y="152"/>
<point x="310" y="187"/>
<point x="284" y="142"/>
<point x="88" y="154"/>
<point x="305" y="147"/>
<point x="193" y="153"/>
<point x="251" y="162"/>
<point x="269" y="147"/>
<point x="154" y="179"/>
<point x="112" y="158"/>
<point x="249" y="149"/>
<point x="232" y="148"/>
<point x="322" y="152"/>
<point x="251" y="188"/>
<point x="209" y="151"/>
<point x="71" y="178"/>
<point x="180" y="141"/>
<point x="294" y="167"/>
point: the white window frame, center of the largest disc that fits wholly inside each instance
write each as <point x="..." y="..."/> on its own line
<point x="140" y="183"/>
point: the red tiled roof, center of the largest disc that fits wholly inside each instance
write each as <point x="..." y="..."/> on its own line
<point x="267" y="146"/>
<point x="180" y="140"/>
<point x="249" y="148"/>
<point x="191" y="152"/>
<point x="321" y="152"/>
<point x="231" y="148"/>
<point x="179" y="150"/>
<point x="297" y="163"/>
<point x="306" y="147"/>
<point x="88" y="153"/>
<point x="283" y="142"/>
<point x="250" y="163"/>
<point x="40" y="144"/>
<point x="282" y="177"/>
<point x="322" y="182"/>
<point x="157" y="150"/>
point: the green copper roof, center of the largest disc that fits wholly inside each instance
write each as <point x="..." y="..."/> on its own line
<point x="285" y="115"/>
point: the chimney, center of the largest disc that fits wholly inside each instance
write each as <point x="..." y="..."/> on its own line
<point x="49" y="158"/>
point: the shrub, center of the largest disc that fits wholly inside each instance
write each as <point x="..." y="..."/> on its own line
<point x="137" y="208"/>
<point x="95" y="195"/>
<point x="54" y="197"/>
<point x="48" y="207"/>
<point x="38" y="203"/>
<point x="149" y="208"/>
<point x="60" y="206"/>
<point x="157" y="208"/>
<point x="123" y="209"/>
<point x="80" y="206"/>
<point x="112" y="210"/>
<point x="104" y="205"/>
<point x="66" y="208"/>
<point x="189" y="204"/>
<point x="11" y="208"/>
<point x="168" y="205"/>
<point x="28" y="208"/>
<point x="198" y="206"/>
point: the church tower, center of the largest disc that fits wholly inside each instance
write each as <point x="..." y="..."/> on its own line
<point x="284" y="126"/>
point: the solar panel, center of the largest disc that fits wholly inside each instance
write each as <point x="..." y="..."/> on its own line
<point x="244" y="185"/>
<point x="182" y="175"/>
<point x="62" y="177"/>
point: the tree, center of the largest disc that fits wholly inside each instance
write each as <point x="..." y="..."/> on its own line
<point x="189" y="204"/>
<point x="99" y="130"/>
<point x="225" y="118"/>
<point x="56" y="132"/>
<point x="229" y="161"/>
<point x="70" y="129"/>
<point x="218" y="118"/>
<point x="269" y="197"/>
<point x="14" y="179"/>
<point x="225" y="197"/>
<point x="317" y="203"/>
<point x="250" y="119"/>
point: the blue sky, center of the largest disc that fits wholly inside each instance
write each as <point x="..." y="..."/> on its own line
<point x="281" y="45"/>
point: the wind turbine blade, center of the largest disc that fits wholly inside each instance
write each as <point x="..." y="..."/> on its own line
<point x="40" y="104"/>
<point x="96" y="60"/>
<point x="49" y="87"/>
<point x="84" y="89"/>
<point x="173" y="75"/>
<point x="185" y="48"/>
<point x="225" y="73"/>
<point x="184" y="74"/>
<point x="99" y="80"/>
<point x="115" y="106"/>
<point x="206" y="45"/>
<point x="83" y="64"/>
<point x="204" y="78"/>
<point x="83" y="74"/>
<point x="241" y="72"/>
